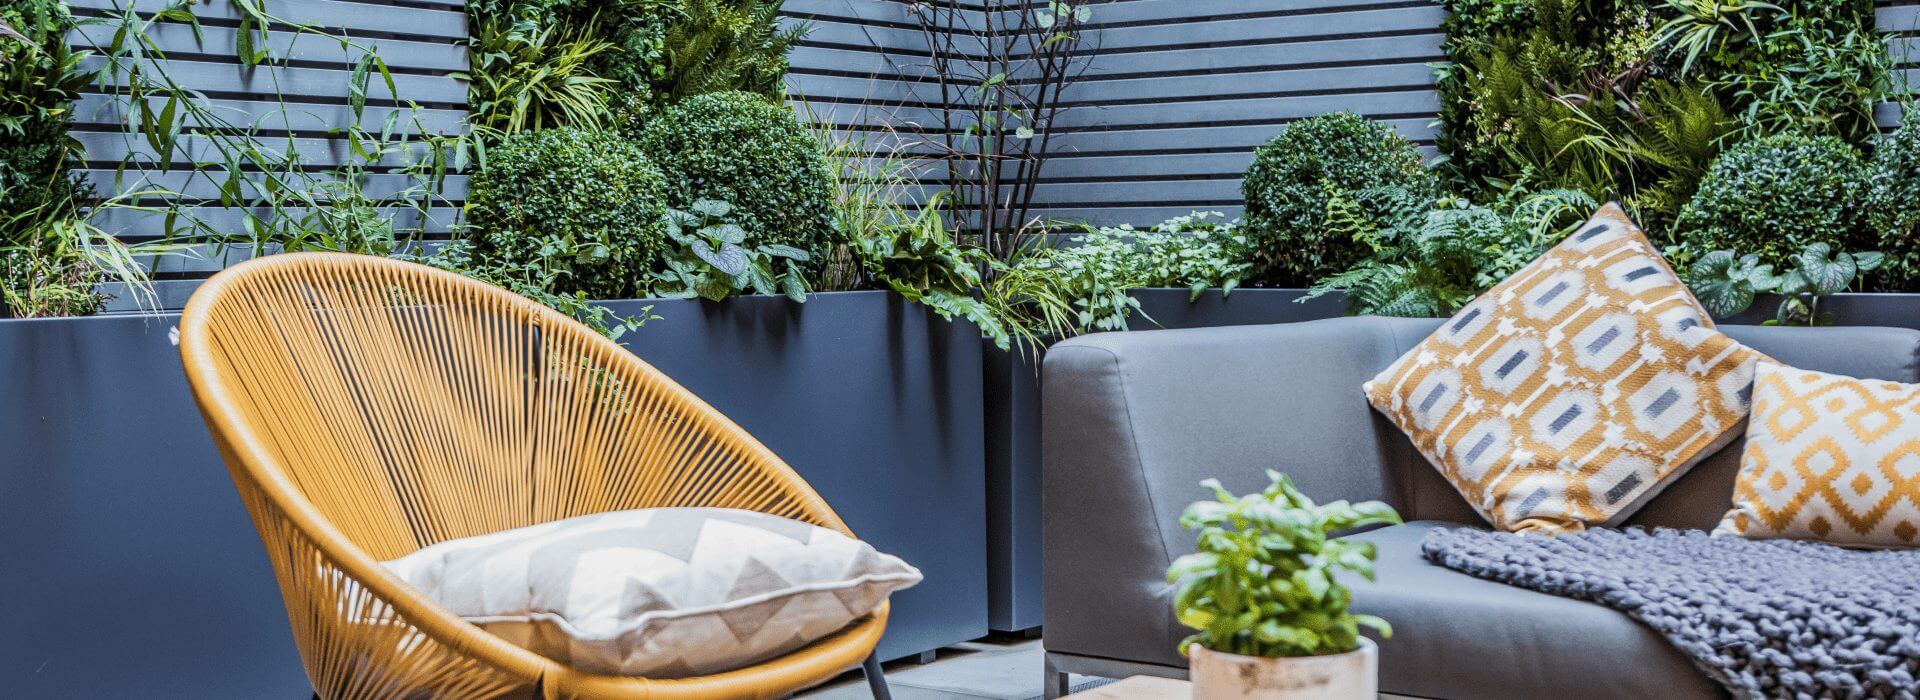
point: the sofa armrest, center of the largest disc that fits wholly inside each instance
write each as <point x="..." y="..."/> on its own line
<point x="1131" y="422"/>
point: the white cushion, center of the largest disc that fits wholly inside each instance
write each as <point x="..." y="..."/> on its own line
<point x="659" y="592"/>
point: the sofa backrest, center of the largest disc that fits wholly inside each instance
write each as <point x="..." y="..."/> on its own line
<point x="1698" y="499"/>
<point x="1230" y="402"/>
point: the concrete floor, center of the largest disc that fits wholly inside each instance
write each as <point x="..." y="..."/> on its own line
<point x="988" y="669"/>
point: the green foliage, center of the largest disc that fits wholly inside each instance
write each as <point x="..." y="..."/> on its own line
<point x="714" y="260"/>
<point x="43" y="275"/>
<point x="581" y="210"/>
<point x="1262" y="579"/>
<point x="1438" y="255"/>
<point x="1286" y="190"/>
<point x="724" y="45"/>
<point x="1893" y="200"/>
<point x="1570" y="94"/>
<point x="1803" y="67"/>
<point x="1774" y="196"/>
<point x="1085" y="285"/>
<point x="1727" y="282"/>
<point x="921" y="261"/>
<point x="527" y="76"/>
<point x="40" y="77"/>
<point x="544" y="63"/>
<point x="884" y="240"/>
<point x="46" y="265"/>
<point x="740" y="148"/>
<point x="1633" y="100"/>
<point x="535" y="282"/>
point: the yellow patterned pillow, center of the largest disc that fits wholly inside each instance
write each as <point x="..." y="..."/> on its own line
<point x="1829" y="458"/>
<point x="1576" y="389"/>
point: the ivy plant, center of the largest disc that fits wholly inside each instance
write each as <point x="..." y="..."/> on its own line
<point x="1727" y="282"/>
<point x="713" y="261"/>
<point x="1261" y="582"/>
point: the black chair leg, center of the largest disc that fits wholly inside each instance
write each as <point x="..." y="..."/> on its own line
<point x="876" y="678"/>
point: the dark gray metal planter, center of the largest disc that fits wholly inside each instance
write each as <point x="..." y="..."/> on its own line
<point x="134" y="571"/>
<point x="878" y="404"/>
<point x="1897" y="310"/>
<point x="1013" y="433"/>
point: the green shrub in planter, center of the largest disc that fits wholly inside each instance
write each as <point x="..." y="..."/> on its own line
<point x="586" y="209"/>
<point x="1893" y="201"/>
<point x="1774" y="196"/>
<point x="1289" y="184"/>
<point x="740" y="148"/>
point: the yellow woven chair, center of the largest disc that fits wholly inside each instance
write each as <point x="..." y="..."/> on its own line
<point x="368" y="407"/>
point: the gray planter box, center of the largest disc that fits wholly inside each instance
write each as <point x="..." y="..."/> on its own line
<point x="1013" y="433"/>
<point x="877" y="403"/>
<point x="1894" y="309"/>
<point x="135" y="571"/>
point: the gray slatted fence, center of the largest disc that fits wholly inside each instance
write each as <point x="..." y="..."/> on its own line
<point x="299" y="107"/>
<point x="1182" y="92"/>
<point x="865" y="69"/>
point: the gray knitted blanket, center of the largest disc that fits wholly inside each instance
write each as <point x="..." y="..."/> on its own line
<point x="1765" y="618"/>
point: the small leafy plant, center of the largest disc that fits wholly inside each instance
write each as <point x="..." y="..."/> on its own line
<point x="713" y="261"/>
<point x="1727" y="282"/>
<point x="1262" y="581"/>
<point x="919" y="260"/>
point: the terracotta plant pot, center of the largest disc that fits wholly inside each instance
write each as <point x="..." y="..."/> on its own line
<point x="1350" y="676"/>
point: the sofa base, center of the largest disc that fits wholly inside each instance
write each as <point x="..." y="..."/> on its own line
<point x="1058" y="665"/>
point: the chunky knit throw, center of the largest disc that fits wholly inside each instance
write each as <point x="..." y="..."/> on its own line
<point x="1765" y="618"/>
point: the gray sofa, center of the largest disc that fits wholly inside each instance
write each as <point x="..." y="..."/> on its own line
<point x="1133" y="421"/>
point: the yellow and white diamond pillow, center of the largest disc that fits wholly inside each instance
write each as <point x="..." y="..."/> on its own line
<point x="1830" y="458"/>
<point x="1576" y="389"/>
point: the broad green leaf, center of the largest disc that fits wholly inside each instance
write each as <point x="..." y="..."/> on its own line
<point x="785" y="251"/>
<point x="729" y="259"/>
<point x="713" y="208"/>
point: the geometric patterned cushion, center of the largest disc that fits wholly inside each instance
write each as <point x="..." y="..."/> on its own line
<point x="1575" y="390"/>
<point x="659" y="592"/>
<point x="1829" y="458"/>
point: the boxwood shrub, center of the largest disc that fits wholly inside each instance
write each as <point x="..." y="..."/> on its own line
<point x="586" y="208"/>
<point x="1294" y="175"/>
<point x="1774" y="195"/>
<point x="744" y="150"/>
<point x="1893" y="201"/>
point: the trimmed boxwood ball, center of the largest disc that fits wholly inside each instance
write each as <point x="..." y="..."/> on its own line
<point x="1287" y="189"/>
<point x="1774" y="195"/>
<point x="585" y="207"/>
<point x="742" y="149"/>
<point x="1893" y="201"/>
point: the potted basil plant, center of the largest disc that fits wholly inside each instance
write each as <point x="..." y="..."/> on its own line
<point x="1273" y="622"/>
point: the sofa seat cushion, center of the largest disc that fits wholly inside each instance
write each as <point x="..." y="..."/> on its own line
<point x="1456" y="636"/>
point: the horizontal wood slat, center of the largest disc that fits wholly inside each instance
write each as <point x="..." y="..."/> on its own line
<point x="386" y="18"/>
<point x="108" y="148"/>
<point x="298" y="82"/>
<point x="202" y="186"/>
<point x="144" y="225"/>
<point x="100" y="111"/>
<point x="399" y="54"/>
